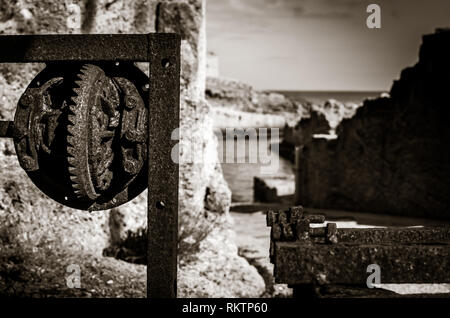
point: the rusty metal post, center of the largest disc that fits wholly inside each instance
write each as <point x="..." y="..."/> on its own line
<point x="164" y="94"/>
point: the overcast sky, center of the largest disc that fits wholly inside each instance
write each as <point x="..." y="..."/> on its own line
<point x="319" y="44"/>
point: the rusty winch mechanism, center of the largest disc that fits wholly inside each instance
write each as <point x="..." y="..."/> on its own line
<point x="80" y="133"/>
<point x="92" y="130"/>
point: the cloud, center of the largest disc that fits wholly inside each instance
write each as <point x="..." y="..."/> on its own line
<point x="335" y="9"/>
<point x="281" y="58"/>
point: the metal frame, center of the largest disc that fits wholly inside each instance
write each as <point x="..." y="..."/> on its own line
<point x="162" y="52"/>
<point x="326" y="261"/>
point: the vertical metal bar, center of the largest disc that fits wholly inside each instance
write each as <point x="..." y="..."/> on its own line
<point x="164" y="92"/>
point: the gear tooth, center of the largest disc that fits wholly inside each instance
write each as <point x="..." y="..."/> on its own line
<point x="78" y="85"/>
<point x="70" y="140"/>
<point x="73" y="172"/>
<point x="84" y="70"/>
<point x="73" y="108"/>
<point x="71" y="159"/>
<point x="71" y="119"/>
<point x="77" y="105"/>
<point x="71" y="125"/>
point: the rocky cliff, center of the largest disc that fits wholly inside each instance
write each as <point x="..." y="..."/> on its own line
<point x="392" y="156"/>
<point x="240" y="105"/>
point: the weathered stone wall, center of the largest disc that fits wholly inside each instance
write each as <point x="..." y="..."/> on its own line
<point x="393" y="155"/>
<point x="209" y="264"/>
<point x="302" y="133"/>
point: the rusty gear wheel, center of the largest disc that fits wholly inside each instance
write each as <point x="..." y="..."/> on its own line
<point x="80" y="133"/>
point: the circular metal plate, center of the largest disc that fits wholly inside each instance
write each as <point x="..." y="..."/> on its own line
<point x="81" y="133"/>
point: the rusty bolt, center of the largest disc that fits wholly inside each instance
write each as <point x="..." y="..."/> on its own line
<point x="332" y="233"/>
<point x="130" y="102"/>
<point x="276" y="232"/>
<point x="271" y="217"/>
<point x="296" y="213"/>
<point x="282" y="217"/>
<point x="317" y="231"/>
<point x="26" y="100"/>
<point x="288" y="234"/>
<point x="130" y="166"/>
<point x="302" y="225"/>
<point x="165" y="63"/>
<point x="302" y="229"/>
<point x="160" y="205"/>
<point x="318" y="218"/>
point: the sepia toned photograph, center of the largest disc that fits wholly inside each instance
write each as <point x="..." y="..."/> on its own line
<point x="256" y="152"/>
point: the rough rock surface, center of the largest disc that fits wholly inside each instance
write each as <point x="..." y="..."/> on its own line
<point x="32" y="224"/>
<point x="313" y="124"/>
<point x="253" y="240"/>
<point x="306" y="128"/>
<point x="335" y="111"/>
<point x="237" y="277"/>
<point x="225" y="117"/>
<point x="28" y="217"/>
<point x="392" y="156"/>
<point x="238" y="96"/>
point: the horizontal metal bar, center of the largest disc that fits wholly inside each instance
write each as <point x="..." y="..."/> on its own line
<point x="6" y="129"/>
<point x="78" y="47"/>
<point x="347" y="264"/>
<point x="353" y="291"/>
<point x="426" y="235"/>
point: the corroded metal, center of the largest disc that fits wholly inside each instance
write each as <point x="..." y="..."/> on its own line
<point x="164" y="119"/>
<point x="69" y="125"/>
<point x="42" y="124"/>
<point x="342" y="264"/>
<point x="325" y="255"/>
<point x="76" y="47"/>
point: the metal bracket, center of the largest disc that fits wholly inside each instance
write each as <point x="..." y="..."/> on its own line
<point x="162" y="52"/>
